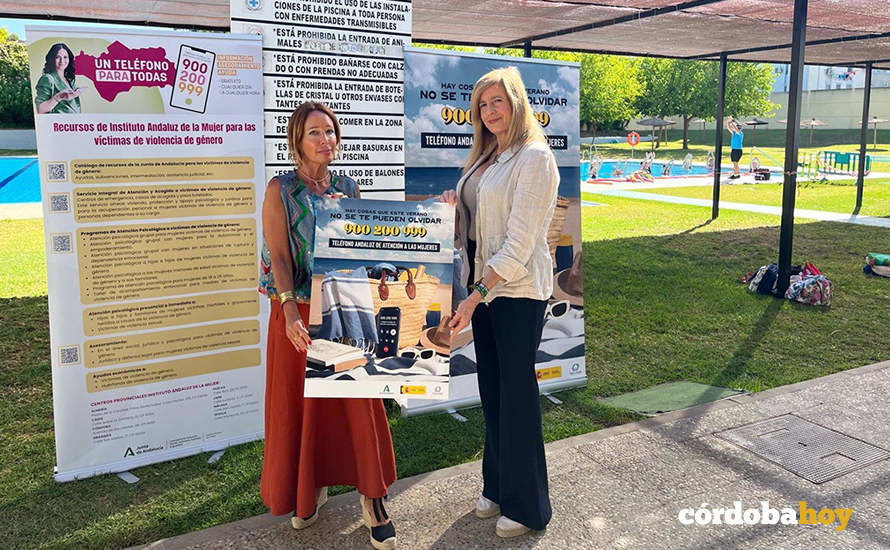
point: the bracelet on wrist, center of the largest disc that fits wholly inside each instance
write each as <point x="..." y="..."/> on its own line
<point x="287" y="296"/>
<point x="481" y="288"/>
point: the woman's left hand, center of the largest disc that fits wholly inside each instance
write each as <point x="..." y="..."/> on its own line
<point x="464" y="313"/>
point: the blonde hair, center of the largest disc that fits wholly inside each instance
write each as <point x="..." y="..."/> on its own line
<point x="524" y="127"/>
<point x="296" y="127"/>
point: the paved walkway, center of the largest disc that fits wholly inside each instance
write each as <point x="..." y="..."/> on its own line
<point x="624" y="487"/>
<point x="799" y="213"/>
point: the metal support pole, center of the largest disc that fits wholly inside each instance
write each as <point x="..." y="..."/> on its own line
<point x="792" y="134"/>
<point x="718" y="139"/>
<point x="528" y="49"/>
<point x="863" y="136"/>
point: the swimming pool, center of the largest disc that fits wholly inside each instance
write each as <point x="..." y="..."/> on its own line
<point x="607" y="169"/>
<point x="19" y="180"/>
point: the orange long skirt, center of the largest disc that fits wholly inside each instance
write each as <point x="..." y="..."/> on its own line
<point x="312" y="443"/>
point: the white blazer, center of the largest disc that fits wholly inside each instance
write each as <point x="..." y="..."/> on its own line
<point x="515" y="200"/>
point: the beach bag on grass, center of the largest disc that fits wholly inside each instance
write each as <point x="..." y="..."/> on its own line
<point x="754" y="281"/>
<point x="809" y="270"/>
<point x="878" y="259"/>
<point x="764" y="281"/>
<point x="813" y="290"/>
<point x="877" y="264"/>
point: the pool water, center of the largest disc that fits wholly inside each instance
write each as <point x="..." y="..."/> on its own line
<point x="607" y="169"/>
<point x="19" y="180"/>
<point x="20" y="176"/>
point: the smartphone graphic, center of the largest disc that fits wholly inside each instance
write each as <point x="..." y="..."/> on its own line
<point x="388" y="321"/>
<point x="194" y="69"/>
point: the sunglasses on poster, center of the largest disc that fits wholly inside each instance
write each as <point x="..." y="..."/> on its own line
<point x="558" y="309"/>
<point x="417" y="353"/>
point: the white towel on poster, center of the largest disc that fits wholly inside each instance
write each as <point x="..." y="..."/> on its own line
<point x="347" y="308"/>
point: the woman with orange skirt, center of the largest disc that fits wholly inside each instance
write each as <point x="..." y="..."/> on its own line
<point x="311" y="444"/>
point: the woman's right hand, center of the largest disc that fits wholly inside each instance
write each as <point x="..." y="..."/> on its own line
<point x="296" y="331"/>
<point x="449" y="197"/>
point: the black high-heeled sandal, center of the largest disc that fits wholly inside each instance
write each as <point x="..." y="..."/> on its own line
<point x="383" y="537"/>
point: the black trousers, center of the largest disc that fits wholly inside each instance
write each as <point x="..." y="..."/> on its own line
<point x="506" y="335"/>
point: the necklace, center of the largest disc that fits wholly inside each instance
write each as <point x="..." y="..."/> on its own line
<point x="317" y="183"/>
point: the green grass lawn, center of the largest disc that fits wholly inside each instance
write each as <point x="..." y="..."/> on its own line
<point x="772" y="142"/>
<point x="662" y="304"/>
<point x="22" y="258"/>
<point x="828" y="197"/>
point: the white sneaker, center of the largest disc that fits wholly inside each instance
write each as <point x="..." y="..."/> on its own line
<point x="487" y="508"/>
<point x="507" y="528"/>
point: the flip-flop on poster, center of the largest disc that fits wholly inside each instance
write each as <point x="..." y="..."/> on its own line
<point x="381" y="299"/>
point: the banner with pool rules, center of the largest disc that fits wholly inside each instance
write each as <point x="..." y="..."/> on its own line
<point x="348" y="55"/>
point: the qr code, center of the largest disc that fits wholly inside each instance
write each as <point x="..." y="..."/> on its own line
<point x="59" y="202"/>
<point x="62" y="243"/>
<point x="56" y="171"/>
<point x="69" y="355"/>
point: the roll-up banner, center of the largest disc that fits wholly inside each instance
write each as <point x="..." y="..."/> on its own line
<point x="438" y="135"/>
<point x="151" y="155"/>
<point x="348" y="55"/>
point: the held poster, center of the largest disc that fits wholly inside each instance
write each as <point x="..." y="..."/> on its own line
<point x="348" y="55"/>
<point x="438" y="136"/>
<point x="381" y="295"/>
<point x="151" y="154"/>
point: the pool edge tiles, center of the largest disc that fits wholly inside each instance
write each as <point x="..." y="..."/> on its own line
<point x="21" y="211"/>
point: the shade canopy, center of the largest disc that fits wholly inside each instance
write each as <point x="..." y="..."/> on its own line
<point x="811" y="123"/>
<point x="655" y="122"/>
<point x="807" y="123"/>
<point x="847" y="32"/>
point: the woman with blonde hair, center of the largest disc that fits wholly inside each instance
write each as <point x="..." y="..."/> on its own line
<point x="311" y="444"/>
<point x="505" y="200"/>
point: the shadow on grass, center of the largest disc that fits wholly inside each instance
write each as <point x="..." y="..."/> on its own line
<point x="697" y="227"/>
<point x="745" y="352"/>
<point x="667" y="308"/>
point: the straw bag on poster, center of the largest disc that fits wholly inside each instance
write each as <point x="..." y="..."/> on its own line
<point x="411" y="291"/>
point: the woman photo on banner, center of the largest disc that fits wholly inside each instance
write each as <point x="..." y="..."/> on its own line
<point x="56" y="89"/>
<point x="505" y="201"/>
<point x="311" y="444"/>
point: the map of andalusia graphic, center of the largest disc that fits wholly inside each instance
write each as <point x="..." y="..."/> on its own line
<point x="121" y="69"/>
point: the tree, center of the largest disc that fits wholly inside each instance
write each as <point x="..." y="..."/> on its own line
<point x="609" y="85"/>
<point x="688" y="89"/>
<point x="15" y="81"/>
<point x="468" y="49"/>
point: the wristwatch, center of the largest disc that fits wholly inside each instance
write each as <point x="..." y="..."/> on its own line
<point x="481" y="288"/>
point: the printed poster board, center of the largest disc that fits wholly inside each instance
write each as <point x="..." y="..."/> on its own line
<point x="150" y="148"/>
<point x="382" y="276"/>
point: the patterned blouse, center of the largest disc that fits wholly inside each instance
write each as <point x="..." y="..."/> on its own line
<point x="300" y="214"/>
